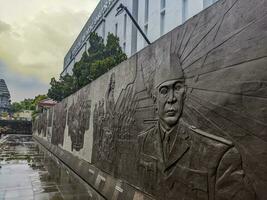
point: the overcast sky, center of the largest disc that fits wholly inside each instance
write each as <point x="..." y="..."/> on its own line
<point x="35" y="35"/>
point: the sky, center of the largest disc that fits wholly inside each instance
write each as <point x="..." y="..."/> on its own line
<point x="35" y="35"/>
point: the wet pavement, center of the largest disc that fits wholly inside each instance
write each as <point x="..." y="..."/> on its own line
<point x="28" y="172"/>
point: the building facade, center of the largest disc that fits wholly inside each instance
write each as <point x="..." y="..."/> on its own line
<point x="25" y="115"/>
<point x="155" y="17"/>
<point x="4" y="97"/>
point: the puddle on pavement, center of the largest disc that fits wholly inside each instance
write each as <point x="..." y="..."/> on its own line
<point x="28" y="172"/>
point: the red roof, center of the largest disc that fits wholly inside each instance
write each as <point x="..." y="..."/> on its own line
<point x="47" y="102"/>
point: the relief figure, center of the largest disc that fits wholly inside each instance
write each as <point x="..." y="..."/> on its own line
<point x="103" y="126"/>
<point x="78" y="121"/>
<point x="59" y="123"/>
<point x="178" y="161"/>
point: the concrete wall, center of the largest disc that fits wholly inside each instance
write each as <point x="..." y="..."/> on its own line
<point x="15" y="127"/>
<point x="109" y="132"/>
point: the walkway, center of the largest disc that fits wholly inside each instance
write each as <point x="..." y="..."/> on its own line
<point x="28" y="172"/>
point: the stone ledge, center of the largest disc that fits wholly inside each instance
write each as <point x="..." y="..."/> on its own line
<point x="103" y="183"/>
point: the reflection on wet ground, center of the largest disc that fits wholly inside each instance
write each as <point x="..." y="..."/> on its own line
<point x="28" y="172"/>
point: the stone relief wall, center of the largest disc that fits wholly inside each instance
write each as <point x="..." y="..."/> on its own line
<point x="186" y="116"/>
<point x="59" y="123"/>
<point x="79" y="120"/>
<point x="42" y="124"/>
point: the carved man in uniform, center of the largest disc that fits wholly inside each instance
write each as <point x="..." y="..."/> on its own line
<point x="180" y="162"/>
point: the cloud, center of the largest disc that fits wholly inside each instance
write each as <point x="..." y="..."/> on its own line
<point x="20" y="86"/>
<point x="4" y="27"/>
<point x="38" y="46"/>
<point x="35" y="35"/>
<point x="35" y="42"/>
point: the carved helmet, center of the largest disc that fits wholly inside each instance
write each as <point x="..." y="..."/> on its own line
<point x="169" y="68"/>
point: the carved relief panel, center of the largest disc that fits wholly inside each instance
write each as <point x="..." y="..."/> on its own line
<point x="186" y="109"/>
<point x="59" y="123"/>
<point x="79" y="120"/>
<point x="41" y="124"/>
<point x="192" y="123"/>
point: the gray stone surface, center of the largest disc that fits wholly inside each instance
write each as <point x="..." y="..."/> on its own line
<point x="185" y="117"/>
<point x="28" y="172"/>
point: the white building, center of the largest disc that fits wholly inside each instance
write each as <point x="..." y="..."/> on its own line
<point x="23" y="115"/>
<point x="155" y="17"/>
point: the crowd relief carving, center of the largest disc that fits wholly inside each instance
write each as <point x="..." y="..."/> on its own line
<point x="41" y="124"/>
<point x="59" y="123"/>
<point x="50" y="117"/>
<point x="192" y="123"/>
<point x="79" y="120"/>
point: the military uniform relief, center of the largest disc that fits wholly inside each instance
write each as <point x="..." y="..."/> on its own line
<point x="41" y="124"/>
<point x="191" y="124"/>
<point x="59" y="123"/>
<point x="177" y="159"/>
<point x="79" y="120"/>
<point x="113" y="123"/>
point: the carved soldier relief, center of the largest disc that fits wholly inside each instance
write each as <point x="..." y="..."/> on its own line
<point x="59" y="123"/>
<point x="191" y="122"/>
<point x="209" y="110"/>
<point x="42" y="124"/>
<point x="177" y="159"/>
<point x="104" y="129"/>
<point x="79" y="120"/>
<point x="50" y="117"/>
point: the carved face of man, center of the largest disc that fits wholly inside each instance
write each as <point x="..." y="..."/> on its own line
<point x="170" y="101"/>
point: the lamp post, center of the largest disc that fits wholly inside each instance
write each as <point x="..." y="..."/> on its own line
<point x="119" y="11"/>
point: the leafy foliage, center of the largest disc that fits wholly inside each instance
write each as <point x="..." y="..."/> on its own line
<point x="62" y="88"/>
<point x="4" y="114"/>
<point x="27" y="104"/>
<point x="96" y="61"/>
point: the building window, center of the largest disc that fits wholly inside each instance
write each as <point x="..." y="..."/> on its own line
<point x="146" y="11"/>
<point x="184" y="10"/>
<point x="124" y="26"/>
<point x="162" y="22"/>
<point x="103" y="29"/>
<point x="146" y="29"/>
<point x="135" y="4"/>
<point x="146" y="32"/>
<point x="124" y="47"/>
<point x="162" y="16"/>
<point x="116" y="29"/>
<point x="146" y="19"/>
<point x="162" y="4"/>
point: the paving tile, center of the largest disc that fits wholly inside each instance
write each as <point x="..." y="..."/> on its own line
<point x="27" y="173"/>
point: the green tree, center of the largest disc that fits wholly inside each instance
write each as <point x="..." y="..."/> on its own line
<point x="62" y="88"/>
<point x="39" y="98"/>
<point x="113" y="49"/>
<point x="16" y="107"/>
<point x="81" y="72"/>
<point x="27" y="104"/>
<point x="82" y="69"/>
<point x="96" y="61"/>
<point x="4" y="114"/>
